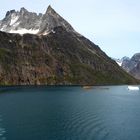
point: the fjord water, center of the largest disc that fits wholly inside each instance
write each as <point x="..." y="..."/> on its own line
<point x="69" y="113"/>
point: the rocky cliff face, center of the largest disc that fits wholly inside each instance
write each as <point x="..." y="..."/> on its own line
<point x="55" y="55"/>
<point x="24" y="21"/>
<point x="132" y="65"/>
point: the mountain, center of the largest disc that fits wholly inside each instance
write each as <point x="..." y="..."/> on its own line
<point x="24" y="21"/>
<point x="132" y="65"/>
<point x="122" y="60"/>
<point x="118" y="61"/>
<point x="54" y="55"/>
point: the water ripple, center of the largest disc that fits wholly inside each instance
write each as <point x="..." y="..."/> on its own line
<point x="2" y="130"/>
<point x="86" y="124"/>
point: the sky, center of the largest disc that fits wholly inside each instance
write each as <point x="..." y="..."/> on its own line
<point x="114" y="25"/>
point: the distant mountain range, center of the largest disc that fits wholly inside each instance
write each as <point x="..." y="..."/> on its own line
<point x="45" y="49"/>
<point x="131" y="65"/>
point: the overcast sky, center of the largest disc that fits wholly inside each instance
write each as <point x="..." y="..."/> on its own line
<point x="114" y="25"/>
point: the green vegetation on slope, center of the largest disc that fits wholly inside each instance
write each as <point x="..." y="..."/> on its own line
<point x="58" y="58"/>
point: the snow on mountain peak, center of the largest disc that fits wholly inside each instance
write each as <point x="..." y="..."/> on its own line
<point x="24" y="31"/>
<point x="14" y="18"/>
<point x="23" y="22"/>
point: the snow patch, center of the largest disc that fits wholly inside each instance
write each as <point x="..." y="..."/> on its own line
<point x="46" y="33"/>
<point x="119" y="63"/>
<point x="24" y="31"/>
<point x="3" y="28"/>
<point x="135" y="65"/>
<point x="13" y="19"/>
<point x="16" y="24"/>
<point x="53" y="31"/>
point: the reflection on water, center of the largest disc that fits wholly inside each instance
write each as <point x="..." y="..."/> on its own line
<point x="69" y="113"/>
<point x="2" y="130"/>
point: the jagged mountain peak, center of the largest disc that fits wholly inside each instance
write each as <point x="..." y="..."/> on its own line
<point x="52" y="19"/>
<point x="136" y="55"/>
<point x="23" y="10"/>
<point x="132" y="65"/>
<point x="125" y="58"/>
<point x="10" y="12"/>
<point x="24" y="21"/>
<point x="50" y="10"/>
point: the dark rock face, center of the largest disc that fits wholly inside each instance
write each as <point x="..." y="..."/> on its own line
<point x="59" y="58"/>
<point x="57" y="54"/>
<point x="132" y="65"/>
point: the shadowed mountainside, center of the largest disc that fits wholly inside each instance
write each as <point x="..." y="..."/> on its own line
<point x="59" y="58"/>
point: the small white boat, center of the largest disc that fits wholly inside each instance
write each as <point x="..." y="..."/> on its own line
<point x="133" y="88"/>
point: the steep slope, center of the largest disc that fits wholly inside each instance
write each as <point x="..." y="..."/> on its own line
<point x="52" y="19"/>
<point x="132" y="66"/>
<point x="58" y="58"/>
<point x="56" y="54"/>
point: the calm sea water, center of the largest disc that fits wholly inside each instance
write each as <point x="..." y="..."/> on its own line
<point x="69" y="113"/>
